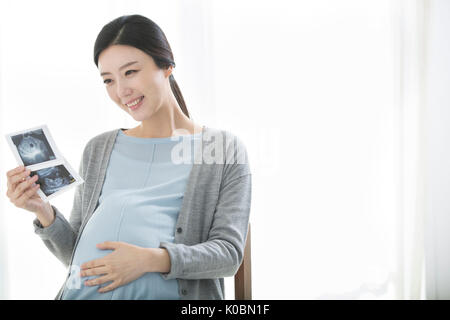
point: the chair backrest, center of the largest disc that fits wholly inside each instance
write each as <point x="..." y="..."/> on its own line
<point x="243" y="277"/>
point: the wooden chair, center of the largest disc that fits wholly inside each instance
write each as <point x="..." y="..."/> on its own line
<point x="243" y="277"/>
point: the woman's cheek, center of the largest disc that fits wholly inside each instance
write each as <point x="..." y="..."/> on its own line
<point x="110" y="94"/>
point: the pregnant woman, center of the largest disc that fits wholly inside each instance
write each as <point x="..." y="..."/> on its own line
<point x="164" y="209"/>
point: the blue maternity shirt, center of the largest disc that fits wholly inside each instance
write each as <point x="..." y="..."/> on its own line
<point x="139" y="204"/>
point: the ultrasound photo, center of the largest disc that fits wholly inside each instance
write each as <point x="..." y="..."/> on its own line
<point x="53" y="179"/>
<point x="33" y="147"/>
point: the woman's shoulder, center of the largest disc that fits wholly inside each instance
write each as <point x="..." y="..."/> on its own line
<point x="101" y="139"/>
<point x="233" y="147"/>
<point x="225" y="135"/>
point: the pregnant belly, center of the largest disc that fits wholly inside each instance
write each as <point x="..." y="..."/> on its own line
<point x="110" y="223"/>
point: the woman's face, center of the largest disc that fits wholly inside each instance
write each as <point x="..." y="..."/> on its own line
<point x="131" y="75"/>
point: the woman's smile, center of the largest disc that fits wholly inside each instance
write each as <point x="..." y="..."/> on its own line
<point x="135" y="104"/>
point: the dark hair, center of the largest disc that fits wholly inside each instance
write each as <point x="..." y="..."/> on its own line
<point x="142" y="33"/>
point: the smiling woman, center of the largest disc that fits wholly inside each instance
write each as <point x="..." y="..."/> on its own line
<point x="120" y="241"/>
<point x="135" y="61"/>
<point x="137" y="83"/>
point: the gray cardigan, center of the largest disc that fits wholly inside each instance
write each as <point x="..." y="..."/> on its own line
<point x="212" y="224"/>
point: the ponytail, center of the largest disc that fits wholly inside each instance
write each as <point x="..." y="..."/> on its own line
<point x="177" y="93"/>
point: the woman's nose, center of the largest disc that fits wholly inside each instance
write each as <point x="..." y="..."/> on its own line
<point x="123" y="90"/>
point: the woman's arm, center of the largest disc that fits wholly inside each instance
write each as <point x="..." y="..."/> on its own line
<point x="59" y="236"/>
<point x="47" y="216"/>
<point x="157" y="260"/>
<point x="222" y="254"/>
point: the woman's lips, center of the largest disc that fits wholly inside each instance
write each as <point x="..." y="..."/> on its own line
<point x="137" y="105"/>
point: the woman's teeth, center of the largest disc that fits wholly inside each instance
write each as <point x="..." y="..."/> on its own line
<point x="135" y="102"/>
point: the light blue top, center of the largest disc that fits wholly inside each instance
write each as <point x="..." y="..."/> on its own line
<point x="212" y="224"/>
<point x="139" y="204"/>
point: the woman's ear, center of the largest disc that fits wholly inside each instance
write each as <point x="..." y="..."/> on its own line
<point x="169" y="71"/>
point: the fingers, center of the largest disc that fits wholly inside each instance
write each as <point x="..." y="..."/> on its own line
<point x="24" y="185"/>
<point x="109" y="287"/>
<point x="20" y="202"/>
<point x="108" y="245"/>
<point x="106" y="277"/>
<point x="21" y="187"/>
<point x="15" y="171"/>
<point x="19" y="177"/>
<point x="12" y="173"/>
<point x="16" y="178"/>
<point x="98" y="281"/>
<point x="94" y="271"/>
<point x="23" y="192"/>
<point x="92" y="264"/>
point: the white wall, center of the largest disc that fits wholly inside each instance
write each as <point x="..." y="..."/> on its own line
<point x="438" y="153"/>
<point x="307" y="85"/>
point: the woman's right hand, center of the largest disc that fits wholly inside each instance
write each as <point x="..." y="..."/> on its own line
<point x="23" y="194"/>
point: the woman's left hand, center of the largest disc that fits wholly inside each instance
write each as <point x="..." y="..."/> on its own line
<point x="126" y="263"/>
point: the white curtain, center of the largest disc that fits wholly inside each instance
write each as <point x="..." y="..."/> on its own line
<point x="411" y="19"/>
<point x="437" y="159"/>
<point x="326" y="95"/>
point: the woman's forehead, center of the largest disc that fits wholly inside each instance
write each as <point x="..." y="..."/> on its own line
<point x="115" y="57"/>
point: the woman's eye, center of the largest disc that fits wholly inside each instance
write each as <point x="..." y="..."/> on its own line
<point x="107" y="81"/>
<point x="130" y="71"/>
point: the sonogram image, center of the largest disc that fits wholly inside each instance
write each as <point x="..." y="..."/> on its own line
<point x="52" y="179"/>
<point x="33" y="147"/>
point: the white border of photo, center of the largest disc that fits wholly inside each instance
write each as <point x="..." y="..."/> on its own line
<point x="60" y="160"/>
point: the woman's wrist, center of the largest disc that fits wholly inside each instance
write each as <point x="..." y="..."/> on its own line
<point x="47" y="217"/>
<point x="157" y="260"/>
